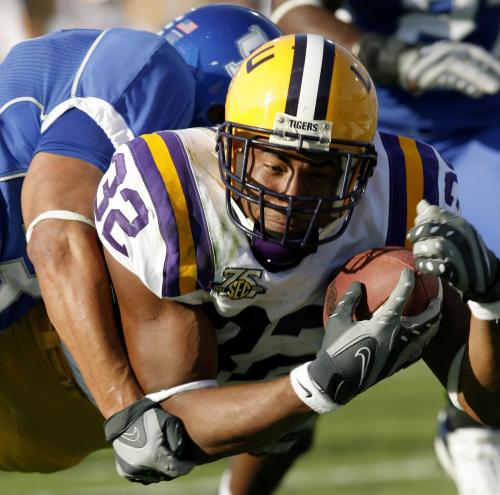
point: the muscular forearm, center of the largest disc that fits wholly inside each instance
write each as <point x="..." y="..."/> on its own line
<point x="480" y="375"/>
<point x="318" y="20"/>
<point x="228" y="420"/>
<point x="76" y="292"/>
<point x="72" y="275"/>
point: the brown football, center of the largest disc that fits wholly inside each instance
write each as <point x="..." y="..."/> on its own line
<point x="379" y="270"/>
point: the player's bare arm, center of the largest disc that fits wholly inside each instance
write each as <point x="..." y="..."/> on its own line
<point x="314" y="18"/>
<point x="446" y="245"/>
<point x="171" y="344"/>
<point x="73" y="278"/>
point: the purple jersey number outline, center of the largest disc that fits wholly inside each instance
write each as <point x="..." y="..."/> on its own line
<point x="115" y="216"/>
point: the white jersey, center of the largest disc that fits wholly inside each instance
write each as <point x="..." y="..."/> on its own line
<point x="161" y="213"/>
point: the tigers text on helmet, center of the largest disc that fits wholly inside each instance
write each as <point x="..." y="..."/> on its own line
<point x="305" y="96"/>
<point x="213" y="40"/>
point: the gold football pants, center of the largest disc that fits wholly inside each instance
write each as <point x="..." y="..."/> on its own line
<point x="46" y="424"/>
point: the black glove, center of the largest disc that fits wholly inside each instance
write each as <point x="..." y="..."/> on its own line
<point x="148" y="443"/>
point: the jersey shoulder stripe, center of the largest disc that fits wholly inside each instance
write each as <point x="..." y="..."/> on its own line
<point x="414" y="175"/>
<point x="165" y="169"/>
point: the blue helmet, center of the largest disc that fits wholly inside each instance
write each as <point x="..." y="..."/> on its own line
<point x="213" y="40"/>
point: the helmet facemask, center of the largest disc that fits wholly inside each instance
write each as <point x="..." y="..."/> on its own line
<point x="307" y="220"/>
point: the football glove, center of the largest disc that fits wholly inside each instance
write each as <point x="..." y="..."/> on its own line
<point x="444" y="65"/>
<point x="446" y="245"/>
<point x="148" y="443"/>
<point x="357" y="354"/>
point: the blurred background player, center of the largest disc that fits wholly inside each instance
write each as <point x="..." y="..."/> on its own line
<point x="67" y="100"/>
<point x="21" y="19"/>
<point x="437" y="71"/>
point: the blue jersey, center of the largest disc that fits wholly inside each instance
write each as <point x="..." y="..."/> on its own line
<point x="121" y="82"/>
<point x="427" y="21"/>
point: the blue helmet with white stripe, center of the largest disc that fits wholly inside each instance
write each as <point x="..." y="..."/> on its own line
<point x="213" y="40"/>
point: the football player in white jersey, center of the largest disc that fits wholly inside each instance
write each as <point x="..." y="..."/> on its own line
<point x="220" y="242"/>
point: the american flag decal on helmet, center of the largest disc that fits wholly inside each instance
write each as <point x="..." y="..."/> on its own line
<point x="313" y="55"/>
<point x="187" y="26"/>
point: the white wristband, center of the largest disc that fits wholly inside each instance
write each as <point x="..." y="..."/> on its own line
<point x="58" y="215"/>
<point x="453" y="379"/>
<point x="165" y="394"/>
<point x="278" y="13"/>
<point x="485" y="311"/>
<point x="308" y="392"/>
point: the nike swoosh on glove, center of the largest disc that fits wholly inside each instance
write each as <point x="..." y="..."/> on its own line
<point x="148" y="443"/>
<point x="357" y="354"/>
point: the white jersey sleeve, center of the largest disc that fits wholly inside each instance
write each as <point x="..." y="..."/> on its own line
<point x="149" y="217"/>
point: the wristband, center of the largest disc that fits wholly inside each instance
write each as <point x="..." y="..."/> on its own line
<point x="485" y="311"/>
<point x="164" y="394"/>
<point x="308" y="392"/>
<point x="380" y="55"/>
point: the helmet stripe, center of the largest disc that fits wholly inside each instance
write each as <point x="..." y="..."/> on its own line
<point x="312" y="67"/>
<point x="299" y="55"/>
<point x="308" y="99"/>
<point x="325" y="80"/>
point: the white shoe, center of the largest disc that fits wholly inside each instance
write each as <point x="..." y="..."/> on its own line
<point x="470" y="456"/>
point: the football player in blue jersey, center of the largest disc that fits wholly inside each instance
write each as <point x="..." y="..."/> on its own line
<point x="437" y="70"/>
<point x="220" y="243"/>
<point x="67" y="100"/>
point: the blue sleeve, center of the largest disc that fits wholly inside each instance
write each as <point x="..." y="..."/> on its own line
<point x="75" y="134"/>
<point x="143" y="78"/>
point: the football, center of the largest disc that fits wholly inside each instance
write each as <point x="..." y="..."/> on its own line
<point x="379" y="270"/>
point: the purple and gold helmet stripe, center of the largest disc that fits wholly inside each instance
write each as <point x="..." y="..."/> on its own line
<point x="315" y="56"/>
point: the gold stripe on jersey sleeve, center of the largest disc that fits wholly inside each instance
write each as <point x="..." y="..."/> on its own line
<point x="168" y="172"/>
<point x="414" y="180"/>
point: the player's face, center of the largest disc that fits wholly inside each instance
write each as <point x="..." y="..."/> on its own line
<point x="295" y="175"/>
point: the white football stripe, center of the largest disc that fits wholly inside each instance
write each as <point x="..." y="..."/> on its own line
<point x="312" y="67"/>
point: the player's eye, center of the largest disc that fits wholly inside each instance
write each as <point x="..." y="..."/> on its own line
<point x="274" y="168"/>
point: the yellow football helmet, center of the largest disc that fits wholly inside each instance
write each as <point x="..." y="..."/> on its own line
<point x="308" y="95"/>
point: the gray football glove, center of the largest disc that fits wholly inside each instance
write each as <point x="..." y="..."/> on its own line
<point x="451" y="66"/>
<point x="148" y="443"/>
<point x="357" y="354"/>
<point x="447" y="246"/>
<point x="445" y="65"/>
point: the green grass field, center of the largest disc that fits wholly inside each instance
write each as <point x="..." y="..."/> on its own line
<point x="380" y="444"/>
